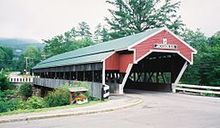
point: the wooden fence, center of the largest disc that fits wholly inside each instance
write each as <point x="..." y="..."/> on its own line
<point x="196" y="89"/>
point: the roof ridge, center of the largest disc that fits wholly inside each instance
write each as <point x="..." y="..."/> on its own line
<point x="104" y="43"/>
<point x="98" y="48"/>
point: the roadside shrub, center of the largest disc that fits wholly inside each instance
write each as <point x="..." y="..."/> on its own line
<point x="11" y="105"/>
<point x="25" y="90"/>
<point x="15" y="104"/>
<point x="3" y="106"/>
<point x="8" y="94"/>
<point x="4" y="81"/>
<point x="58" y="97"/>
<point x="35" y="102"/>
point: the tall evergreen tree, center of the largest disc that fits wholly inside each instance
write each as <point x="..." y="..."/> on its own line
<point x="70" y="40"/>
<point x="84" y="30"/>
<point x="134" y="16"/>
<point x="98" y="33"/>
<point x="6" y="55"/>
<point x="101" y="34"/>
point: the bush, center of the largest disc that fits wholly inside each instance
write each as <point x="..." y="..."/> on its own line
<point x="58" y="97"/>
<point x="3" y="106"/>
<point x="9" y="101"/>
<point x="11" y="105"/>
<point x="8" y="94"/>
<point x="35" y="102"/>
<point x="4" y="81"/>
<point x="25" y="90"/>
<point x="15" y="104"/>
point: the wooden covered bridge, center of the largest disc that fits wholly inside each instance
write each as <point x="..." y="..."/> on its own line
<point x="152" y="60"/>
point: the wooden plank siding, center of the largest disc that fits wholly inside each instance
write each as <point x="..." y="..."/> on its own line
<point x="119" y="62"/>
<point x="95" y="88"/>
<point x="147" y="45"/>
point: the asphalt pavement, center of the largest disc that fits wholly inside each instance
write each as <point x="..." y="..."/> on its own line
<point x="158" y="110"/>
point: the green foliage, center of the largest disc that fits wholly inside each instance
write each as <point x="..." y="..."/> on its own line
<point x="31" y="55"/>
<point x="11" y="105"/>
<point x="206" y="67"/>
<point x="6" y="95"/>
<point x="3" y="106"/>
<point x="101" y="34"/>
<point x="4" y="81"/>
<point x="15" y="104"/>
<point x="134" y="16"/>
<point x="84" y="30"/>
<point x="58" y="97"/>
<point x="70" y="40"/>
<point x="35" y="102"/>
<point x="11" y="52"/>
<point x="25" y="90"/>
<point x="6" y="55"/>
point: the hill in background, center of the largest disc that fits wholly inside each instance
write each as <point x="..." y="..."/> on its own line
<point x="20" y="45"/>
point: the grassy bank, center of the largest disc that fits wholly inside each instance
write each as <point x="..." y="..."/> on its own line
<point x="51" y="108"/>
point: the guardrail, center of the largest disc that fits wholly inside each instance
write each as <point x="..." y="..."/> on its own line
<point x="196" y="89"/>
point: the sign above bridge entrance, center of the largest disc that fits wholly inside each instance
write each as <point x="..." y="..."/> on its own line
<point x="165" y="45"/>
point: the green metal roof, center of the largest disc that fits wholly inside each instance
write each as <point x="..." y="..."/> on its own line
<point x="95" y="53"/>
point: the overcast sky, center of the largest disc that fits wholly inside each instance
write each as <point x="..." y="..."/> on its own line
<point x="43" y="19"/>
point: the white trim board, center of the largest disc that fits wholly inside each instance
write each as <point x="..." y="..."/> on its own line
<point x="165" y="51"/>
<point x="166" y="29"/>
<point x="130" y="48"/>
<point x="128" y="70"/>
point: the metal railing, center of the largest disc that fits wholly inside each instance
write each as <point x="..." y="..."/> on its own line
<point x="196" y="89"/>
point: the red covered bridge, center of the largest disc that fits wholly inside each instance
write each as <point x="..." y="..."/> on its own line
<point x="152" y="60"/>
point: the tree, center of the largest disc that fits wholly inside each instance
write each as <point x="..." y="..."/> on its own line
<point x="210" y="62"/>
<point x="53" y="46"/>
<point x="6" y="55"/>
<point x="4" y="82"/>
<point x="84" y="30"/>
<point x="206" y="67"/>
<point x="29" y="58"/>
<point x="69" y="41"/>
<point x="33" y="56"/>
<point x="198" y="41"/>
<point x="25" y="90"/>
<point x="134" y="16"/>
<point x="101" y="34"/>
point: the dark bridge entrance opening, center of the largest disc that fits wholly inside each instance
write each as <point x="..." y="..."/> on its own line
<point x="155" y="72"/>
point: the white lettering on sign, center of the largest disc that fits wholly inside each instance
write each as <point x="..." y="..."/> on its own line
<point x="165" y="45"/>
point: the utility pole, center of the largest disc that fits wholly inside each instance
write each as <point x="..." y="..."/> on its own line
<point x="26" y="63"/>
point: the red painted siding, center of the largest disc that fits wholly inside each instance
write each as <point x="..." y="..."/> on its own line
<point x="112" y="63"/>
<point x="125" y="60"/>
<point x="147" y="45"/>
<point x="118" y="62"/>
<point x="121" y="61"/>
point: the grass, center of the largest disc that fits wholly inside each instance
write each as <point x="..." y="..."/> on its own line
<point x="51" y="108"/>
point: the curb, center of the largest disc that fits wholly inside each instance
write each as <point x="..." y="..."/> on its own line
<point x="75" y="113"/>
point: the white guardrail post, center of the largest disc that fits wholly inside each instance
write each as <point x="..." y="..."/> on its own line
<point x="174" y="88"/>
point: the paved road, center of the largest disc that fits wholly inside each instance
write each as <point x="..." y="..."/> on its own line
<point x="159" y="110"/>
